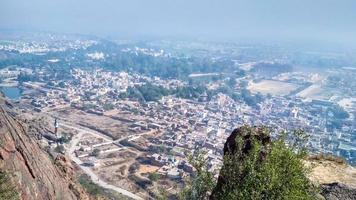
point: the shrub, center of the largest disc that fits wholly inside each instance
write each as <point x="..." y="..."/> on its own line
<point x="95" y="152"/>
<point x="154" y="176"/>
<point x="256" y="167"/>
<point x="59" y="149"/>
<point x="7" y="189"/>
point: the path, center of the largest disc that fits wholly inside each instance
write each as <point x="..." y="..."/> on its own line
<point x="87" y="170"/>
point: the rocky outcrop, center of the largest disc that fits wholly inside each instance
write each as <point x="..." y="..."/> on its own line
<point x="232" y="146"/>
<point x="337" y="180"/>
<point x="338" y="191"/>
<point x="35" y="174"/>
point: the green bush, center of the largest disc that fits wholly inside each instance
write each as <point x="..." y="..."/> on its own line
<point x="154" y="176"/>
<point x="202" y="184"/>
<point x="95" y="152"/>
<point x="7" y="189"/>
<point x="59" y="149"/>
<point x="272" y="170"/>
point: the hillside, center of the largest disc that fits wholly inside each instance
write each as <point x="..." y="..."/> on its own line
<point x="35" y="175"/>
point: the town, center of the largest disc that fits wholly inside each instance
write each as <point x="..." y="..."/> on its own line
<point x="136" y="132"/>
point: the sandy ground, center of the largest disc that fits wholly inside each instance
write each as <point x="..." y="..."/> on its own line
<point x="272" y="87"/>
<point x="147" y="169"/>
<point x="115" y="128"/>
<point x="310" y="91"/>
<point x="329" y="172"/>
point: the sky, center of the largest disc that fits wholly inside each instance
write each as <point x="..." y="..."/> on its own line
<point x="326" y="20"/>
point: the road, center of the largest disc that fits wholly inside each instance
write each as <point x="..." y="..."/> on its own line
<point x="87" y="170"/>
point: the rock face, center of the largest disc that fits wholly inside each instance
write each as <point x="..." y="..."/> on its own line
<point x="35" y="174"/>
<point x="232" y="146"/>
<point x="336" y="191"/>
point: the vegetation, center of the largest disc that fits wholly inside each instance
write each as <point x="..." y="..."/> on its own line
<point x="339" y="112"/>
<point x="146" y="92"/>
<point x="108" y="106"/>
<point x="59" y="149"/>
<point x="150" y="92"/>
<point x="190" y="92"/>
<point x="271" y="69"/>
<point x="97" y="191"/>
<point x="165" y="67"/>
<point x="23" y="77"/>
<point x="95" y="152"/>
<point x="154" y="176"/>
<point x="7" y="189"/>
<point x="89" y="186"/>
<point x="65" y="139"/>
<point x="202" y="184"/>
<point x="256" y="169"/>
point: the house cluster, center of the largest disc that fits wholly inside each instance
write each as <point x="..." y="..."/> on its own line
<point x="188" y="125"/>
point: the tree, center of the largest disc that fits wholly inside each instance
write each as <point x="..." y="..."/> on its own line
<point x="59" y="149"/>
<point x="154" y="176"/>
<point x="61" y="84"/>
<point x="64" y="139"/>
<point x="243" y="84"/>
<point x="339" y="112"/>
<point x="256" y="167"/>
<point x="95" y="152"/>
<point x="231" y="82"/>
<point x="202" y="183"/>
<point x="108" y="106"/>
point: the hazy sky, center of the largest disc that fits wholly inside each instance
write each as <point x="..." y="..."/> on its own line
<point x="331" y="20"/>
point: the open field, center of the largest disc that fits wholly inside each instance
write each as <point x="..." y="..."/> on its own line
<point x="106" y="125"/>
<point x="272" y="87"/>
<point x="203" y="75"/>
<point x="316" y="91"/>
<point x="310" y="91"/>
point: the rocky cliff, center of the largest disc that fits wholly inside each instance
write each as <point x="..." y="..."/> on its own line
<point x="35" y="175"/>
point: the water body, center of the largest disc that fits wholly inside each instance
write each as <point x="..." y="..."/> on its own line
<point x="13" y="93"/>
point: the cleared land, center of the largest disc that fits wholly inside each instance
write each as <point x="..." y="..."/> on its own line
<point x="311" y="91"/>
<point x="203" y="75"/>
<point x="316" y="91"/>
<point x="272" y="87"/>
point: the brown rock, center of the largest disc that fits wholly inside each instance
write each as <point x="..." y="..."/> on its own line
<point x="36" y="176"/>
<point x="247" y="136"/>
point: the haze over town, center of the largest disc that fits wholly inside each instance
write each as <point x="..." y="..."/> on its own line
<point x="319" y="20"/>
<point x="127" y="90"/>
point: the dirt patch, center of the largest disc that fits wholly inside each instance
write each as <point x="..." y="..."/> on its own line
<point x="325" y="172"/>
<point x="147" y="169"/>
